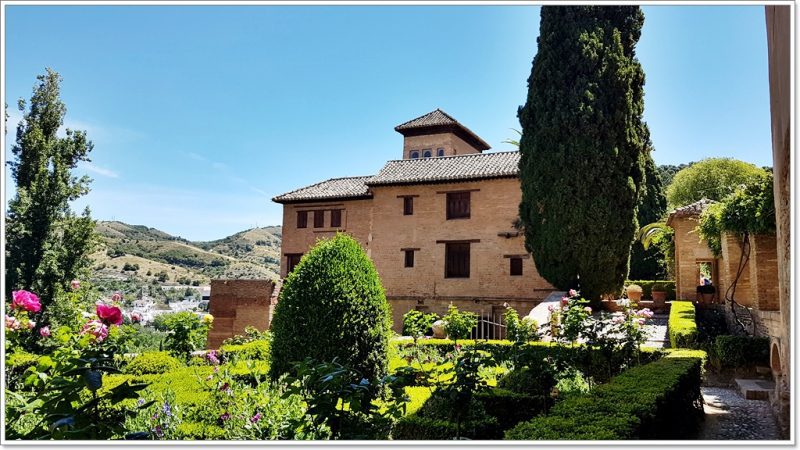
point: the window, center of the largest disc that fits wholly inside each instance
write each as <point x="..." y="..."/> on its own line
<point x="409" y="258"/>
<point x="456" y="260"/>
<point x="426" y="153"/>
<point x="336" y="218"/>
<point x="516" y="266"/>
<point x="292" y="260"/>
<point x="302" y="219"/>
<point x="319" y="218"/>
<point x="408" y="206"/>
<point x="414" y="154"/>
<point x="457" y="205"/>
<point x="439" y="152"/>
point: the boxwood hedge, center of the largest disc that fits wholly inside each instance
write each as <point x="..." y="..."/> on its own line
<point x="682" y="325"/>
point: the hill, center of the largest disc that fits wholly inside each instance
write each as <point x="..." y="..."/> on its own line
<point x="151" y="256"/>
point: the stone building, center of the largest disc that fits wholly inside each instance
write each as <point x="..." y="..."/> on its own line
<point x="237" y="304"/>
<point x="438" y="223"/>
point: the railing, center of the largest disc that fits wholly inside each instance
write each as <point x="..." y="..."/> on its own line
<point x="490" y="326"/>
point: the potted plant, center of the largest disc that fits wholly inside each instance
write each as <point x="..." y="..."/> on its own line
<point x="634" y="292"/>
<point x="659" y="294"/>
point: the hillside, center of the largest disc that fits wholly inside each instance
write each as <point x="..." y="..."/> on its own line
<point x="149" y="255"/>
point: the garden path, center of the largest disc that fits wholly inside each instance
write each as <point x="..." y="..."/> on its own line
<point x="656" y="330"/>
<point x="731" y="417"/>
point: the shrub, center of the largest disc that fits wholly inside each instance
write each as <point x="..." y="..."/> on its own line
<point x="510" y="408"/>
<point x="186" y="333"/>
<point x="254" y="350"/>
<point x="459" y="324"/>
<point x="332" y="305"/>
<point x="659" y="400"/>
<point x="682" y="326"/>
<point x="648" y="285"/>
<point x="417" y="324"/>
<point x="741" y="351"/>
<point x="415" y="427"/>
<point x="16" y="365"/>
<point x="152" y="362"/>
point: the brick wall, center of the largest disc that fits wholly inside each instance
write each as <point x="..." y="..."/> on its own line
<point x="236" y="304"/>
<point x="731" y="256"/>
<point x="764" y="272"/>
<point x="689" y="249"/>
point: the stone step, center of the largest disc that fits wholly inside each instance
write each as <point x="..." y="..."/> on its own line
<point x="763" y="370"/>
<point x="755" y="389"/>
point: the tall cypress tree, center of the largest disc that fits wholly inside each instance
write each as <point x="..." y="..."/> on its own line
<point x="583" y="146"/>
<point x="649" y="264"/>
<point x="47" y="244"/>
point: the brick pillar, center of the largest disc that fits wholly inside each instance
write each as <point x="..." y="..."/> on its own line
<point x="729" y="265"/>
<point x="764" y="272"/>
<point x="237" y="304"/>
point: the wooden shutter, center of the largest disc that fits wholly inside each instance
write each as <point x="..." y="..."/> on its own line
<point x="409" y="258"/>
<point x="302" y="219"/>
<point x="458" y="205"/>
<point x="319" y="218"/>
<point x="456" y="260"/>
<point x="336" y="218"/>
<point x="408" y="206"/>
<point x="516" y="266"/>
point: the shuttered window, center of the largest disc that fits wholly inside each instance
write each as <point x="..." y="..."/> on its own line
<point x="456" y="263"/>
<point x="457" y="205"/>
<point x="336" y="218"/>
<point x="408" y="206"/>
<point x="409" y="258"/>
<point x="516" y="266"/>
<point x="302" y="219"/>
<point x="319" y="219"/>
<point x="292" y="260"/>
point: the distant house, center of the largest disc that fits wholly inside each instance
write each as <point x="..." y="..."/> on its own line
<point x="438" y="223"/>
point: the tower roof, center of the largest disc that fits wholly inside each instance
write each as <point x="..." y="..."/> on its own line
<point x="438" y="121"/>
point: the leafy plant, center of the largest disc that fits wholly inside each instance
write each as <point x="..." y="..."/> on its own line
<point x="186" y="333"/>
<point x="459" y="324"/>
<point x="416" y="323"/>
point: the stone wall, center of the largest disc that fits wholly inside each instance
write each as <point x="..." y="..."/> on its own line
<point x="236" y="304"/>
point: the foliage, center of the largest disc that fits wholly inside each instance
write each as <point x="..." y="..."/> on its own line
<point x="682" y="326"/>
<point x="520" y="331"/>
<point x="583" y="119"/>
<point x="648" y="286"/>
<point x="740" y="351"/>
<point x="47" y="244"/>
<point x="254" y="350"/>
<point x="345" y="407"/>
<point x="186" y="333"/>
<point x="711" y="178"/>
<point x="459" y="324"/>
<point x="141" y="339"/>
<point x="152" y="362"/>
<point x="250" y="334"/>
<point x="332" y="306"/>
<point x="416" y="323"/>
<point x="657" y="400"/>
<point x="649" y="263"/>
<point x="662" y="237"/>
<point x="749" y="209"/>
<point x="667" y="172"/>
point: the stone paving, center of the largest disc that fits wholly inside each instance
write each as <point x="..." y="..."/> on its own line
<point x="656" y="330"/>
<point x="731" y="417"/>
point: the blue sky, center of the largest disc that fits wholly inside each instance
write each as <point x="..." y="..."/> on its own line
<point x="201" y="114"/>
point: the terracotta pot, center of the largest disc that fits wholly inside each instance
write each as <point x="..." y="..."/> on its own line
<point x="438" y="329"/>
<point x="659" y="298"/>
<point x="634" y="296"/>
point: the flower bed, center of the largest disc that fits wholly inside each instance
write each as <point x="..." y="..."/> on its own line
<point x="654" y="401"/>
<point x="682" y="325"/>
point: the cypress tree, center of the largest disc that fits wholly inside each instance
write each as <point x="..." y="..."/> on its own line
<point x="583" y="146"/>
<point x="649" y="264"/>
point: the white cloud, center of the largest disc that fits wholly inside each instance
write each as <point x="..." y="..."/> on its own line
<point x="100" y="170"/>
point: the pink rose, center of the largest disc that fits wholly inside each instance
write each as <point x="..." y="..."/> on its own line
<point x="136" y="317"/>
<point x="97" y="329"/>
<point x="550" y="308"/>
<point x="110" y="315"/>
<point x="588" y="310"/>
<point x="12" y="323"/>
<point x="31" y="324"/>
<point x="618" y="320"/>
<point x="117" y="297"/>
<point x="564" y="301"/>
<point x="75" y="285"/>
<point x="44" y="331"/>
<point x="573" y="293"/>
<point x="26" y="300"/>
<point x="641" y="321"/>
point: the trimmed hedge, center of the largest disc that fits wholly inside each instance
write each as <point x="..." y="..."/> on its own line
<point x="741" y="351"/>
<point x="682" y="325"/>
<point x="647" y="287"/>
<point x="656" y="401"/>
<point x="152" y="363"/>
<point x="254" y="350"/>
<point x="415" y="427"/>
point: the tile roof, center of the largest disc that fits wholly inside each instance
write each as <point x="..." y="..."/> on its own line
<point x="694" y="209"/>
<point x="440" y="119"/>
<point x="348" y="187"/>
<point x="448" y="168"/>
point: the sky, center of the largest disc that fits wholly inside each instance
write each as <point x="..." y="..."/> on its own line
<point x="201" y="114"/>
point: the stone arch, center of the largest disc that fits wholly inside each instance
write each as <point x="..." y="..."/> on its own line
<point x="775" y="358"/>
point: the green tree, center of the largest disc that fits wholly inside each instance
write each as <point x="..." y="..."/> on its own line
<point x="668" y="171"/>
<point x="332" y="305"/>
<point x="649" y="264"/>
<point x="711" y="178"/>
<point x="583" y="146"/>
<point x="47" y="244"/>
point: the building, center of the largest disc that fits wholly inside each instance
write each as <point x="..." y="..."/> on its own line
<point x="438" y="223"/>
<point x="236" y="305"/>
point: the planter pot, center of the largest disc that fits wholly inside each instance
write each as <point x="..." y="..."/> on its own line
<point x="659" y="299"/>
<point x="634" y="296"/>
<point x="438" y="329"/>
<point x="611" y="306"/>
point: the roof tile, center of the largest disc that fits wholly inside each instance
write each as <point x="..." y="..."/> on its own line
<point x="448" y="168"/>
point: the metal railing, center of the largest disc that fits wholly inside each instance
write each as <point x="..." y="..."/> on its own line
<point x="490" y="326"/>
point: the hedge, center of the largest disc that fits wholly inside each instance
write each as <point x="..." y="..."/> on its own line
<point x="740" y="351"/>
<point x="659" y="400"/>
<point x="152" y="363"/>
<point x="647" y="287"/>
<point x="682" y="325"/>
<point x="415" y="427"/>
<point x="254" y="350"/>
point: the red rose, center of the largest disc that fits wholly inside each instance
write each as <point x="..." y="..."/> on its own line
<point x="110" y="315"/>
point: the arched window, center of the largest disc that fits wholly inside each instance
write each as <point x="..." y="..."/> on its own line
<point x="414" y="154"/>
<point x="439" y="152"/>
<point x="427" y="153"/>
